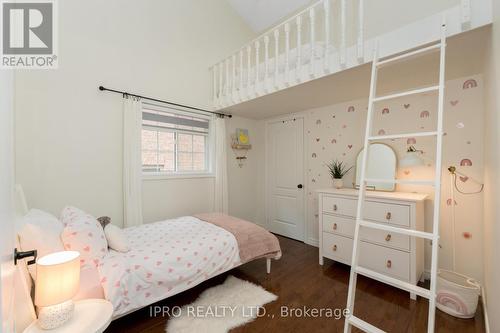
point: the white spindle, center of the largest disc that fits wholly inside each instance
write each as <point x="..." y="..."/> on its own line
<point x="220" y="83"/>
<point x="287" y="54"/>
<point x="361" y="35"/>
<point x="233" y="80"/>
<point x="227" y="78"/>
<point x="312" y="20"/>
<point x="241" y="71"/>
<point x="298" y="70"/>
<point x="343" y="32"/>
<point x="327" y="34"/>
<point x="266" y="54"/>
<point x="214" y="76"/>
<point x="276" y="56"/>
<point x="257" y="63"/>
<point x="249" y="65"/>
<point x="465" y="5"/>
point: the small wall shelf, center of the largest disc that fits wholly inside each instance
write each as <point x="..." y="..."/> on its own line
<point x="241" y="147"/>
<point x="240" y="151"/>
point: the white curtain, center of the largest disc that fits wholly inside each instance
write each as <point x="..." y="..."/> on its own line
<point x="132" y="161"/>
<point x="221" y="193"/>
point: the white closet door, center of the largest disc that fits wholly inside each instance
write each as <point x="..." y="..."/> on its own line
<point x="285" y="165"/>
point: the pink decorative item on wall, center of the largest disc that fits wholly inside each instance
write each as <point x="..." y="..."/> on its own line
<point x="466" y="162"/>
<point x="471" y="83"/>
<point x="411" y="141"/>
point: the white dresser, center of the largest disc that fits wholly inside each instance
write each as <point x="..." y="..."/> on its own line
<point x="399" y="256"/>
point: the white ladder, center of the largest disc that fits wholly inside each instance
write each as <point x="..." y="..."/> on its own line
<point x="430" y="294"/>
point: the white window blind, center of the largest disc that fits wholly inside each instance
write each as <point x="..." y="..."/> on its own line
<point x="174" y="142"/>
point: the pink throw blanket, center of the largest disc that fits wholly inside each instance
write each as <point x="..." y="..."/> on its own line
<point x="253" y="240"/>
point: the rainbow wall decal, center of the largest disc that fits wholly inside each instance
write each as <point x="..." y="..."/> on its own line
<point x="411" y="141"/>
<point x="470" y="84"/>
<point x="465" y="162"/>
<point x="424" y="114"/>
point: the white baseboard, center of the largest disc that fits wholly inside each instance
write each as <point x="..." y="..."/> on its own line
<point x="312" y="242"/>
<point x="485" y="311"/>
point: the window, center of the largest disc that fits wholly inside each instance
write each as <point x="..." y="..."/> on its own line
<point x="174" y="142"/>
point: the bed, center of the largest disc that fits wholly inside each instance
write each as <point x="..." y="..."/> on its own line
<point x="171" y="256"/>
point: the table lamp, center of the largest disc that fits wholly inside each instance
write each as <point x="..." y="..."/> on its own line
<point x="57" y="282"/>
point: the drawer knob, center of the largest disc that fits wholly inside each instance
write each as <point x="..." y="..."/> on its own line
<point x="334" y="248"/>
<point x="388" y="237"/>
<point x="335" y="208"/>
<point x="389" y="264"/>
<point x="388" y="216"/>
<point x="335" y="226"/>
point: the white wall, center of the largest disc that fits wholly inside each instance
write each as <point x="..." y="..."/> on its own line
<point x="69" y="135"/>
<point x="7" y="235"/>
<point x="247" y="184"/>
<point x="492" y="174"/>
<point x="336" y="132"/>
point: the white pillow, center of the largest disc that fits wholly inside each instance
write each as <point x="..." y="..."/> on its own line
<point x="116" y="238"/>
<point x="83" y="233"/>
<point x="40" y="231"/>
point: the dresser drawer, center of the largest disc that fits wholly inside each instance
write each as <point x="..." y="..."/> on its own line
<point x="389" y="213"/>
<point x="341" y="206"/>
<point x="383" y="260"/>
<point x="337" y="247"/>
<point x="339" y="225"/>
<point x="385" y="238"/>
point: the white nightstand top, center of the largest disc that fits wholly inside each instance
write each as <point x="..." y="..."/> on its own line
<point x="377" y="194"/>
<point x="91" y="315"/>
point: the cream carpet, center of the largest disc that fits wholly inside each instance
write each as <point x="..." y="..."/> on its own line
<point x="221" y="308"/>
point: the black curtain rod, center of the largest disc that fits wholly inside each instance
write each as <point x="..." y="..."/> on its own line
<point x="101" y="88"/>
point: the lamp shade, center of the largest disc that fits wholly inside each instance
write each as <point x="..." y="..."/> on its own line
<point x="411" y="159"/>
<point x="57" y="278"/>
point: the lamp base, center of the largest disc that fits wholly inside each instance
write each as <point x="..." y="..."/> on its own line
<point x="50" y="317"/>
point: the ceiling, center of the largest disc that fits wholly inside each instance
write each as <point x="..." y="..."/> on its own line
<point x="262" y="14"/>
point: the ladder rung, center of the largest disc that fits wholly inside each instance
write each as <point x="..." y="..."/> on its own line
<point x="406" y="93"/>
<point x="402" y="136"/>
<point x="397" y="230"/>
<point x="401" y="181"/>
<point x="394" y="282"/>
<point x="363" y="325"/>
<point x="410" y="54"/>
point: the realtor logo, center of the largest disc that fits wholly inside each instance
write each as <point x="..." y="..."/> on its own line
<point x="29" y="34"/>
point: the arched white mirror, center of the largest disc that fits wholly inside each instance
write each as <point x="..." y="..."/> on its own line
<point x="381" y="165"/>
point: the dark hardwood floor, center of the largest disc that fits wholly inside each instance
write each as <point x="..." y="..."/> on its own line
<point x="299" y="281"/>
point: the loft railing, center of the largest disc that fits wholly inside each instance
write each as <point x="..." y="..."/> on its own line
<point x="325" y="37"/>
<point x="295" y="50"/>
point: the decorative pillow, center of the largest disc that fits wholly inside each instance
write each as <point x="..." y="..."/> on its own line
<point x="40" y="231"/>
<point x="116" y="238"/>
<point x="83" y="233"/>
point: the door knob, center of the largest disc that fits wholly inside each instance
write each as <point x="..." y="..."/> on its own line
<point x="299" y="186"/>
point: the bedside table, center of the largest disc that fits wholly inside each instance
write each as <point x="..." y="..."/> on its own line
<point x="91" y="315"/>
